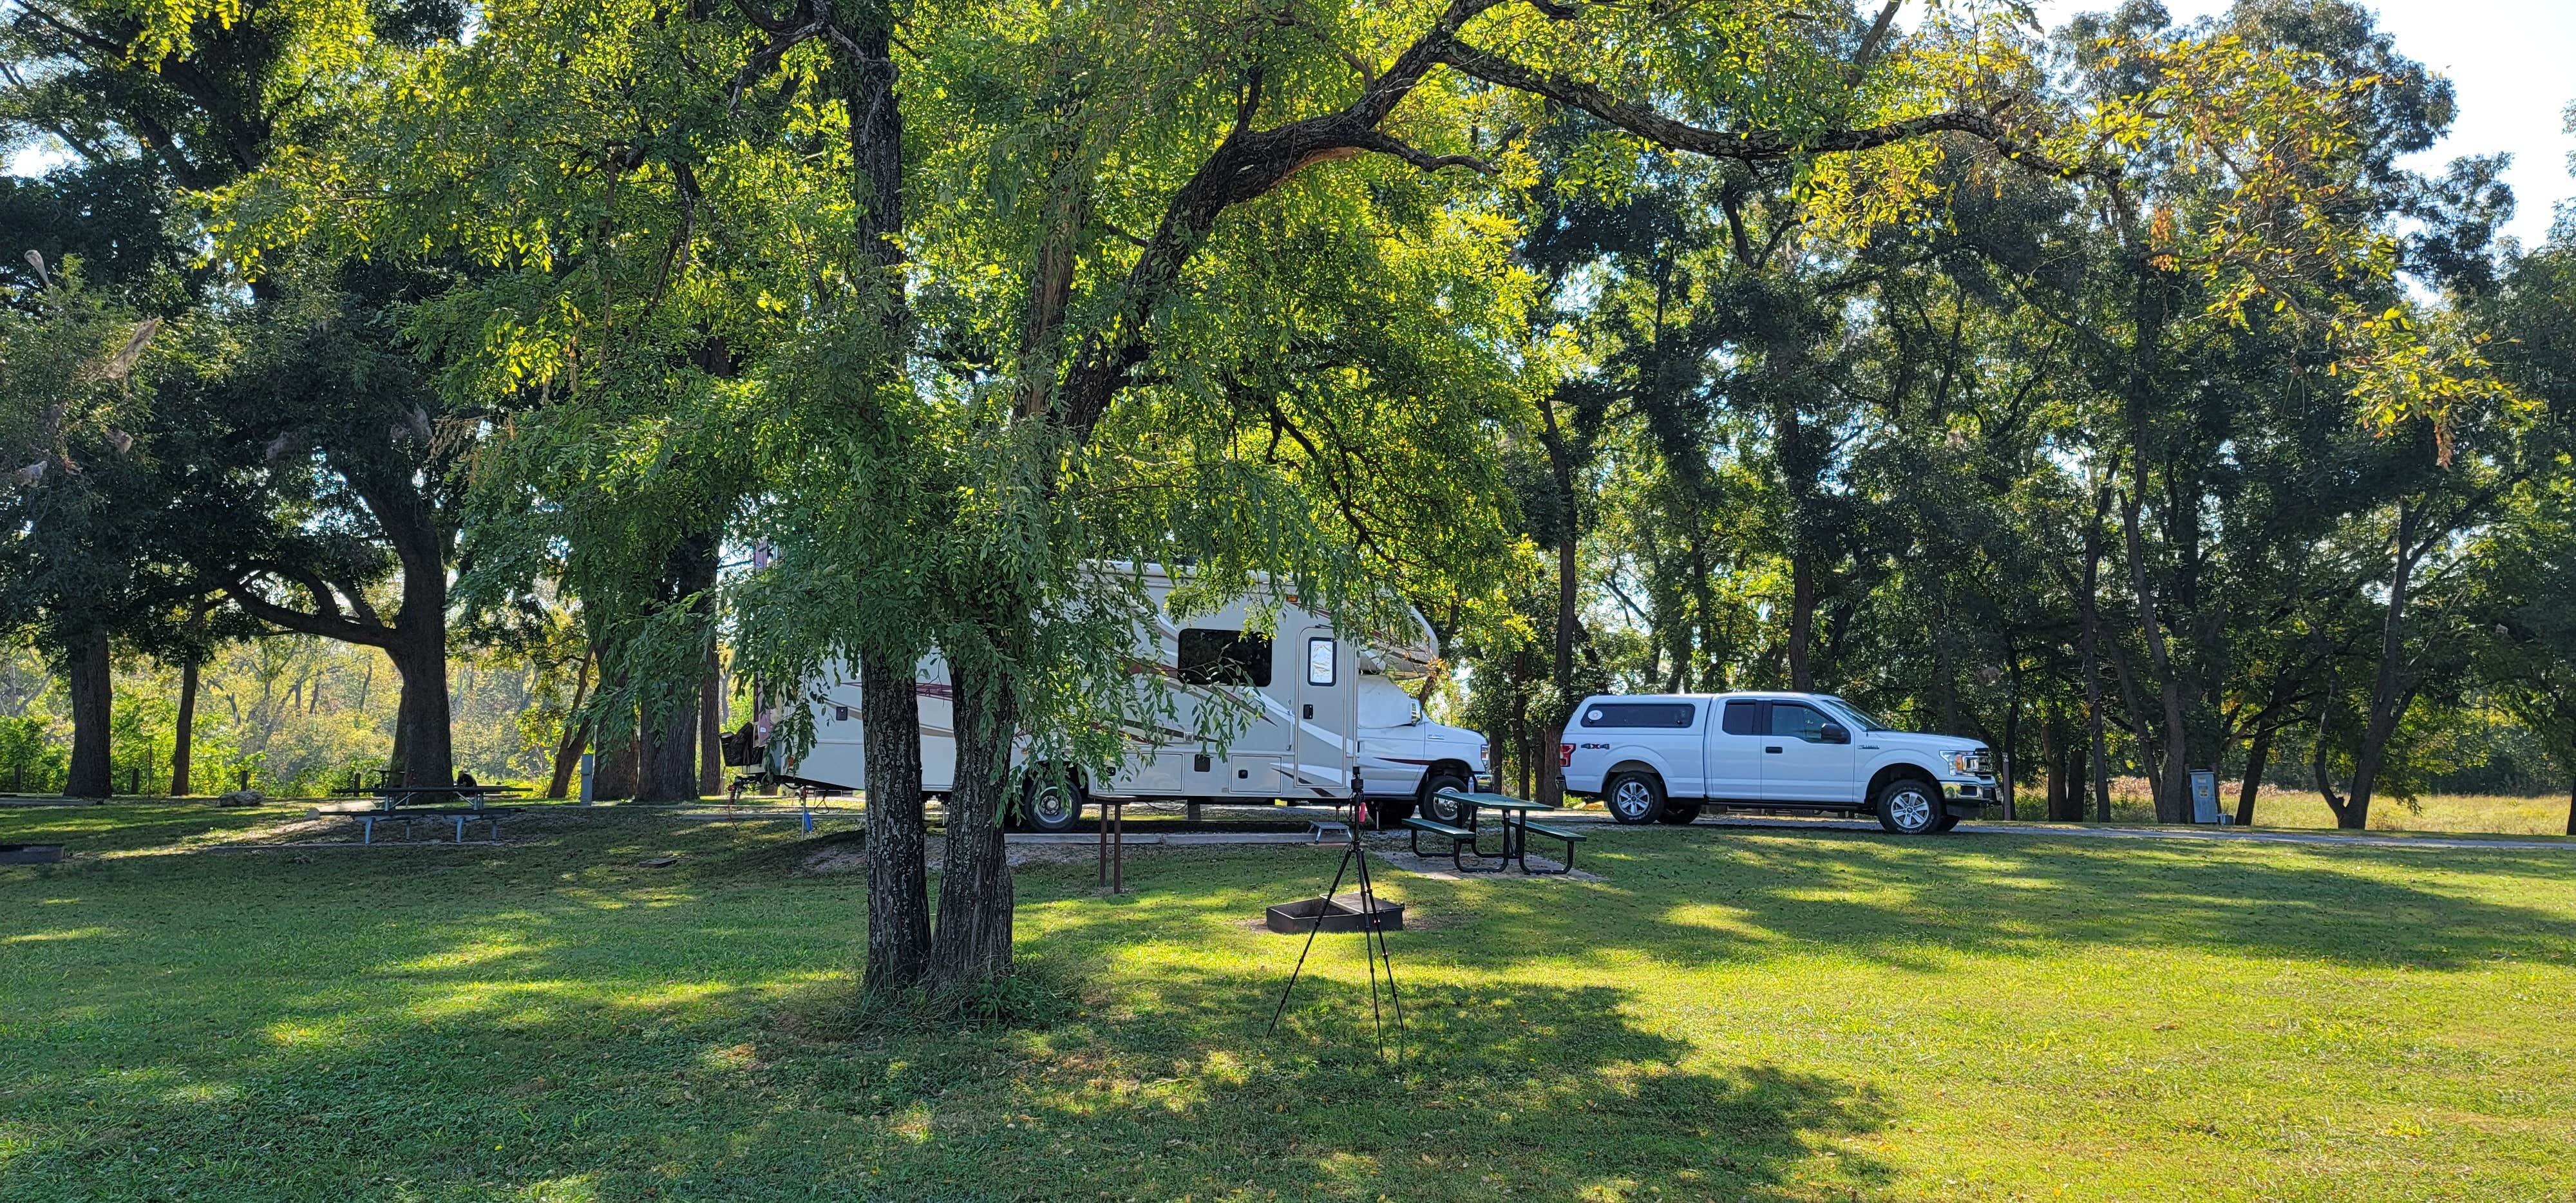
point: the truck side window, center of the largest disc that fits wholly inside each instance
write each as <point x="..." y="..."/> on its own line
<point x="1740" y="717"/>
<point x="1798" y="721"/>
<point x="1215" y="657"/>
<point x="1639" y="714"/>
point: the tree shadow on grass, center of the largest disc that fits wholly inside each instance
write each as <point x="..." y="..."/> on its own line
<point x="1503" y="1089"/>
<point x="496" y="1031"/>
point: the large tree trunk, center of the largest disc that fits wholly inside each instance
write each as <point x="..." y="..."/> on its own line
<point x="2257" y="755"/>
<point x="711" y="765"/>
<point x="898" y="879"/>
<point x="93" y="701"/>
<point x="2088" y="598"/>
<point x="2172" y="780"/>
<point x="1802" y="620"/>
<point x="971" y="943"/>
<point x="576" y="734"/>
<point x="668" y="769"/>
<point x="1560" y="462"/>
<point x="620" y="750"/>
<point x="183" y="732"/>
<point x="423" y="755"/>
<point x="2389" y="693"/>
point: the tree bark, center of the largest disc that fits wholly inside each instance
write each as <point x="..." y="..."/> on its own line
<point x="619" y="750"/>
<point x="1560" y="458"/>
<point x="183" y="733"/>
<point x="2089" y="613"/>
<point x="711" y="765"/>
<point x="576" y="735"/>
<point x="2389" y="693"/>
<point x="668" y="768"/>
<point x="898" y="880"/>
<point x="2257" y="754"/>
<point x="2172" y="780"/>
<point x="970" y="945"/>
<point x="423" y="754"/>
<point x="93" y="701"/>
<point x="1802" y="620"/>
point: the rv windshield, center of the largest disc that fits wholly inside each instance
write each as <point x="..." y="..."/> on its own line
<point x="1859" y="717"/>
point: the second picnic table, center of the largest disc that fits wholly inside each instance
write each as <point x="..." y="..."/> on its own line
<point x="395" y="798"/>
<point x="1516" y="829"/>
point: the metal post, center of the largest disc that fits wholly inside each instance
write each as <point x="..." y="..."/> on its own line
<point x="589" y="769"/>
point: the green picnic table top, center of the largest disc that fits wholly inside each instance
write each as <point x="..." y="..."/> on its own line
<point x="1494" y="801"/>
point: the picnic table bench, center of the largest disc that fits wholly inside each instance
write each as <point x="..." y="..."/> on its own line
<point x="1466" y="839"/>
<point x="460" y="815"/>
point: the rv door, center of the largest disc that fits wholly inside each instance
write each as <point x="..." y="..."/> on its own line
<point x="1326" y="688"/>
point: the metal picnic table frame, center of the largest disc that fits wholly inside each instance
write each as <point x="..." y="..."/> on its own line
<point x="1515" y="814"/>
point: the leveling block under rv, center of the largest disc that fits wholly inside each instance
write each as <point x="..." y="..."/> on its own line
<point x="1319" y="706"/>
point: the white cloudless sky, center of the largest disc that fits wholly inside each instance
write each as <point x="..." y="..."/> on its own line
<point x="2512" y="62"/>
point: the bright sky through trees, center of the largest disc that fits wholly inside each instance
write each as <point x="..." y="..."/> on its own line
<point x="2509" y="60"/>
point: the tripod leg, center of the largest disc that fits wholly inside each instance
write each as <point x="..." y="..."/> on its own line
<point x="1373" y="945"/>
<point x="1282" y="1008"/>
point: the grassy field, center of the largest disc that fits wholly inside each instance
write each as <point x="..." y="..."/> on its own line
<point x="1730" y="1015"/>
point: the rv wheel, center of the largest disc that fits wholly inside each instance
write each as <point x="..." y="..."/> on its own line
<point x="1435" y="808"/>
<point x="1051" y="804"/>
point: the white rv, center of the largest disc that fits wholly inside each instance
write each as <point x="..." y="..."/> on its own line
<point x="1316" y="708"/>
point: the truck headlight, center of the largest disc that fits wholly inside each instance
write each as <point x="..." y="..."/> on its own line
<point x="1966" y="764"/>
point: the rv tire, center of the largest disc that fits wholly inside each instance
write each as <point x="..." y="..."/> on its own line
<point x="1445" y="812"/>
<point x="1050" y="804"/>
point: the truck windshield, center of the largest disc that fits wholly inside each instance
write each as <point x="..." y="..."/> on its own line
<point x="1859" y="717"/>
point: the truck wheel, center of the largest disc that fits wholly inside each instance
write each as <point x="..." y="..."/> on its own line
<point x="1680" y="814"/>
<point x="1910" y="806"/>
<point x="1050" y="804"/>
<point x="1635" y="798"/>
<point x="1435" y="809"/>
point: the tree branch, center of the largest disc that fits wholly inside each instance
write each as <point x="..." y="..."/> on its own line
<point x="1756" y="147"/>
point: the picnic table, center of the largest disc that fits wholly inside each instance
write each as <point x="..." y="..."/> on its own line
<point x="1466" y="838"/>
<point x="461" y="816"/>
<point x="410" y="804"/>
<point x="396" y="796"/>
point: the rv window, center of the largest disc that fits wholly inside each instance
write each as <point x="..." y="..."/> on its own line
<point x="1224" y="658"/>
<point x="1639" y="714"/>
<point x="1319" y="661"/>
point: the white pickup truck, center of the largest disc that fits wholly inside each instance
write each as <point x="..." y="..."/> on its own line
<point x="1663" y="757"/>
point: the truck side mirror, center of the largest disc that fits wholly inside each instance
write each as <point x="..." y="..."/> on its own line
<point x="1834" y="733"/>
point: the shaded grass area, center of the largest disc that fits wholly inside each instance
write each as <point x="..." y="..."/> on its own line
<point x="1731" y="1015"/>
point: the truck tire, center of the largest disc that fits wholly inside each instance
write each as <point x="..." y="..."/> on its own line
<point x="1679" y="814"/>
<point x="1634" y="798"/>
<point x="1436" y="810"/>
<point x="1050" y="804"/>
<point x="1909" y="806"/>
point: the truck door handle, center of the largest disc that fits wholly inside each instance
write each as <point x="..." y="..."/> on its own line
<point x="1773" y="748"/>
<point x="1310" y="710"/>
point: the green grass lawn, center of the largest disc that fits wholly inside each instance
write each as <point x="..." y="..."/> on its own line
<point x="1732" y="1014"/>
